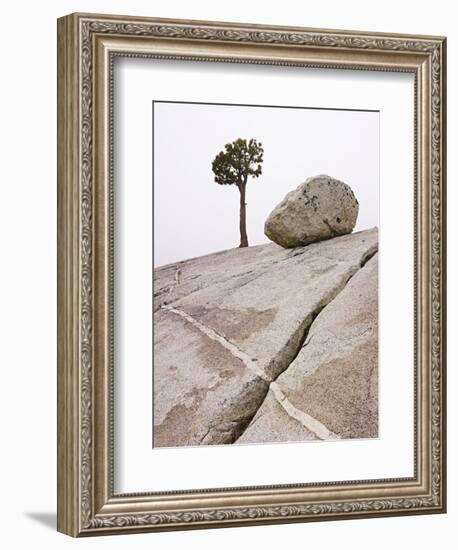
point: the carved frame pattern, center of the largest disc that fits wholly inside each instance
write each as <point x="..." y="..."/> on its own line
<point x="77" y="488"/>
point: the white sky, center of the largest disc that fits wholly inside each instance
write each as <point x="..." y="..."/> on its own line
<point x="193" y="215"/>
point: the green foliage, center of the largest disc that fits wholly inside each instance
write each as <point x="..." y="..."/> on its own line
<point x="237" y="161"/>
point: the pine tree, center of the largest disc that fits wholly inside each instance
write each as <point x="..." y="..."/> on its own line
<point x="232" y="166"/>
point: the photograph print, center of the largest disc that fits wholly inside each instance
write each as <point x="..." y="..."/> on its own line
<point x="265" y="275"/>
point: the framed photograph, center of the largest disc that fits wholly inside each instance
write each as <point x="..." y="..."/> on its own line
<point x="251" y="290"/>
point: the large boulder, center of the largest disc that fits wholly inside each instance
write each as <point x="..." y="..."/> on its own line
<point x="320" y="208"/>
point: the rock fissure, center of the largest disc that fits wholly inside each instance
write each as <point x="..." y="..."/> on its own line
<point x="166" y="292"/>
<point x="334" y="383"/>
<point x="238" y="344"/>
<point x="334" y="233"/>
<point x="369" y="254"/>
<point x="230" y="346"/>
<point x="307" y="421"/>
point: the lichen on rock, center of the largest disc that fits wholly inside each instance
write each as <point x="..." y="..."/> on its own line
<point x="320" y="208"/>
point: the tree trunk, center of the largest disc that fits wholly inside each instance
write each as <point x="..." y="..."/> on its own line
<point x="243" y="235"/>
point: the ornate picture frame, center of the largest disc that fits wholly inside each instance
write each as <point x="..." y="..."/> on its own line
<point x="87" y="46"/>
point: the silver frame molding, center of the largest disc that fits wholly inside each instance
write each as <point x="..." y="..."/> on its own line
<point x="87" y="45"/>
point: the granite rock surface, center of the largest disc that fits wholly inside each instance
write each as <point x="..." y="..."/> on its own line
<point x="243" y="335"/>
